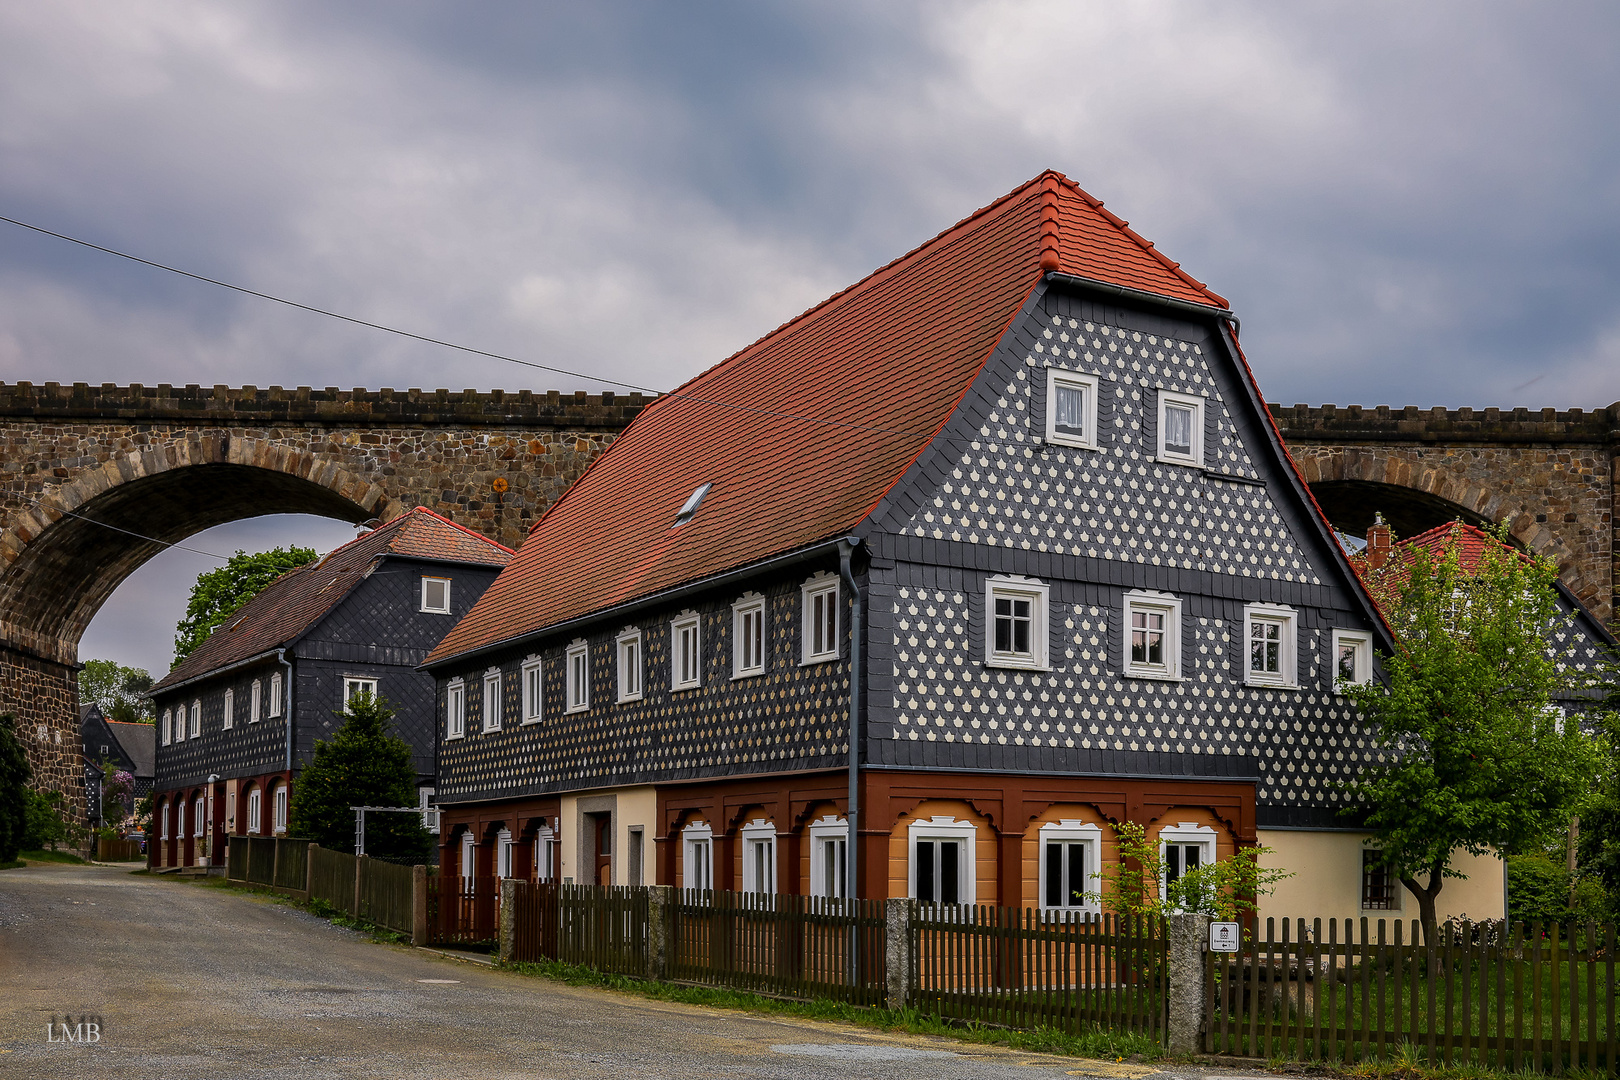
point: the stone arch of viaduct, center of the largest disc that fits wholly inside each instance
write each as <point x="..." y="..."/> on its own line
<point x="1554" y="476"/>
<point x="95" y="481"/>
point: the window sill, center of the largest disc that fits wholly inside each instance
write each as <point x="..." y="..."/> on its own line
<point x="489" y="731"/>
<point x="685" y="688"/>
<point x="1017" y="665"/>
<point x="627" y="700"/>
<point x="433" y="611"/>
<point x="747" y="675"/>
<point x="1257" y="685"/>
<point x="1066" y="444"/>
<point x="457" y="737"/>
<point x="573" y="710"/>
<point x="1185" y="463"/>
<point x="1151" y="676"/>
<point x="530" y="722"/>
<point x="812" y="661"/>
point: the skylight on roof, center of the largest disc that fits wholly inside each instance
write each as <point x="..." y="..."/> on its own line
<point x="690" y="507"/>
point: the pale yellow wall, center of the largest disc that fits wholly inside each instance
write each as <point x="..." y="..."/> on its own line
<point x="569" y="847"/>
<point x="1327" y="881"/>
<point x="635" y="806"/>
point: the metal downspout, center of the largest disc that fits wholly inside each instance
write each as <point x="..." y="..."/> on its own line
<point x="846" y="549"/>
<point x="286" y="707"/>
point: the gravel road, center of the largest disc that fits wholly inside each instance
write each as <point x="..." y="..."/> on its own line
<point x="192" y="981"/>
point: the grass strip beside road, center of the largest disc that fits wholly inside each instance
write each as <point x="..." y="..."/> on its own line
<point x="1097" y="1042"/>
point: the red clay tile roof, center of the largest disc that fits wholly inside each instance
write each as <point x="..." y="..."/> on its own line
<point x="803" y="432"/>
<point x="1386" y="582"/>
<point x="297" y="599"/>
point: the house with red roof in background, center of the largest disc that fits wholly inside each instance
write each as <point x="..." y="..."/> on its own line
<point x="239" y="716"/>
<point x="923" y="594"/>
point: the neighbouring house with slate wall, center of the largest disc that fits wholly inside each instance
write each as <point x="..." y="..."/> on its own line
<point x="246" y="707"/>
<point x="1021" y="486"/>
<point x="127" y="746"/>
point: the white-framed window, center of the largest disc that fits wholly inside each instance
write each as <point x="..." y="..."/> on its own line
<point x="253" y="813"/>
<point x="255" y="702"/>
<point x="685" y="652"/>
<point x="163" y="726"/>
<point x="354" y="686"/>
<point x="430" y="814"/>
<point x="630" y="665"/>
<point x="1269" y="653"/>
<point x="275" y="695"/>
<point x="941" y="869"/>
<point x="829" y="862"/>
<point x="1071" y="408"/>
<point x="163" y="819"/>
<point x="579" y="676"/>
<point x="503" y="853"/>
<point x="196" y="719"/>
<point x="759" y="857"/>
<point x="280" y="811"/>
<point x="491" y="705"/>
<point x="436" y="595"/>
<point x="1352" y="657"/>
<point x="533" y="689"/>
<point x="748" y="633"/>
<point x="1181" y="429"/>
<point x="455" y="709"/>
<point x="697" y="856"/>
<point x="199" y="818"/>
<point x="1184" y="847"/>
<point x="1152" y="625"/>
<point x="1071" y="868"/>
<point x="820" y="624"/>
<point x="179" y="817"/>
<point x="545" y="854"/>
<point x="228" y="712"/>
<point x="469" y="860"/>
<point x="1380" y="888"/>
<point x="1015" y="624"/>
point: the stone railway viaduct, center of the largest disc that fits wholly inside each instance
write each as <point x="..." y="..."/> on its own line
<point x="94" y="480"/>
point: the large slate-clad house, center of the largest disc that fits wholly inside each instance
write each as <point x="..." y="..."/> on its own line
<point x="246" y="706"/>
<point x="1009" y="520"/>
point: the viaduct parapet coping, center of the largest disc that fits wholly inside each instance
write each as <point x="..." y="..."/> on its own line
<point x="1382" y="424"/>
<point x="194" y="404"/>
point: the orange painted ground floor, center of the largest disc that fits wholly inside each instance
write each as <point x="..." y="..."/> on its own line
<point x="950" y="838"/>
<point x="189" y="824"/>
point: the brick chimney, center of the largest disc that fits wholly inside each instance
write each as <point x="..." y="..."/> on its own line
<point x="1377" y="542"/>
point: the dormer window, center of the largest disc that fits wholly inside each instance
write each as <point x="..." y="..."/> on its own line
<point x="436" y="595"/>
<point x="689" y="508"/>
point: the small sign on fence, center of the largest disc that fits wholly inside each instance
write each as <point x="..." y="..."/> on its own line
<point x="1224" y="936"/>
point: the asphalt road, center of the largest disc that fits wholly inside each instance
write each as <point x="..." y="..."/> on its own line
<point x="190" y="981"/>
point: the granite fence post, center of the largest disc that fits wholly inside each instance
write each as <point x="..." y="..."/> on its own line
<point x="419" y="905"/>
<point x="508" y="919"/>
<point x="897" y="958"/>
<point x="1189" y="935"/>
<point x="659" y="899"/>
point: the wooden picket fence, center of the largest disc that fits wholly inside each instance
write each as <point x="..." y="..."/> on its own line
<point x="386" y="896"/>
<point x="602" y="927"/>
<point x="332" y="878"/>
<point x="463" y="911"/>
<point x="1021" y="967"/>
<point x="1540" y="998"/>
<point x="780" y="944"/>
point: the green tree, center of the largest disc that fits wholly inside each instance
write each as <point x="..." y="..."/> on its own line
<point x="47" y="822"/>
<point x="1225" y="889"/>
<point x="117" y="690"/>
<point x="1468" y="751"/>
<point x="363" y="764"/>
<point x="14" y="794"/>
<point x="1599" y="843"/>
<point x="220" y="593"/>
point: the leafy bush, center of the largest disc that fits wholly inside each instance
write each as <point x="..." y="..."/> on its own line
<point x="14" y="774"/>
<point x="1538" y="891"/>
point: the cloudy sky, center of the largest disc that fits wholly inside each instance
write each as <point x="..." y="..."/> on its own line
<point x="1407" y="204"/>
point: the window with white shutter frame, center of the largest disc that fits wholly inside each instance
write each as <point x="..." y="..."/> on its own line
<point x="533" y="689"/>
<point x="820" y="622"/>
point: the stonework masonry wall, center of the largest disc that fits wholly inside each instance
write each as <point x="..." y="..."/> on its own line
<point x="163" y="462"/>
<point x="1555" y="476"/>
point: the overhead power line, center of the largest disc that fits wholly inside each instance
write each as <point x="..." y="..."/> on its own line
<point x="115" y="528"/>
<point x="846" y="425"/>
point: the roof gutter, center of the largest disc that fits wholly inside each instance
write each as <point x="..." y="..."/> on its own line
<point x="1207" y="311"/>
<point x="651" y="600"/>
